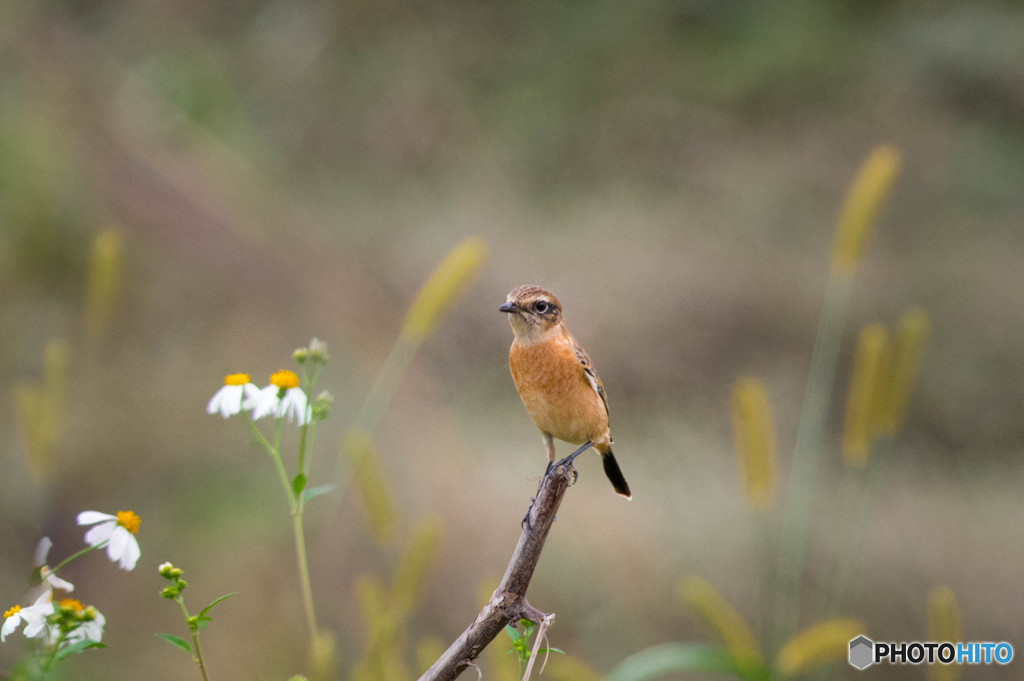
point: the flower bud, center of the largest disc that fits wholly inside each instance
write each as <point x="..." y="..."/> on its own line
<point x="321" y="406"/>
<point x="318" y="351"/>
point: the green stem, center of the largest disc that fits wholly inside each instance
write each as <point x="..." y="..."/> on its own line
<point x="70" y="558"/>
<point x="278" y="424"/>
<point x="260" y="439"/>
<point x="199" y="654"/>
<point x="384" y="386"/>
<point x="302" y="448"/>
<point x="306" y="583"/>
<point x="762" y="528"/>
<point x="194" y="629"/>
<point x="807" y="455"/>
<point x="859" y="494"/>
<point x="309" y="446"/>
<point x="296" y="503"/>
<point x="53" y="653"/>
<point x="842" y="542"/>
<point x="275" y="456"/>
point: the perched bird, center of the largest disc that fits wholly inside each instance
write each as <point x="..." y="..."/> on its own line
<point x="557" y="381"/>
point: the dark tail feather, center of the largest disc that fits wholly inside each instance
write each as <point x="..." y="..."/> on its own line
<point x="611" y="469"/>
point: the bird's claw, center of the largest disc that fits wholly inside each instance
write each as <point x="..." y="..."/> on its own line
<point x="526" y="518"/>
<point x="568" y="470"/>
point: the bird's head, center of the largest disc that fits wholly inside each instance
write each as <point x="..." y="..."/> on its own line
<point x="534" y="313"/>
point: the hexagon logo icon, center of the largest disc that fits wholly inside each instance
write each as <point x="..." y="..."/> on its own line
<point x="862" y="652"/>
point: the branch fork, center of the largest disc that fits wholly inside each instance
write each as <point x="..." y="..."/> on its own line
<point x="508" y="604"/>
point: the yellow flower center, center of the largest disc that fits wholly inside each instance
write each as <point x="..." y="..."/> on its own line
<point x="11" y="612"/>
<point x="236" y="379"/>
<point x="72" y="603"/>
<point x="128" y="521"/>
<point x="285" y="379"/>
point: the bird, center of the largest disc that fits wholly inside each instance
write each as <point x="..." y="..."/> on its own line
<point x="557" y="381"/>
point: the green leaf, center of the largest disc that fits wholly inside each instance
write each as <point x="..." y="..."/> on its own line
<point x="207" y="609"/>
<point x="76" y="648"/>
<point x="317" y="491"/>
<point x="680" y="657"/>
<point x="551" y="650"/>
<point x="176" y="641"/>
<point x="512" y="632"/>
<point x="299" y="483"/>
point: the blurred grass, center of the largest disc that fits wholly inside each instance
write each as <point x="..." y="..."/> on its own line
<point x="291" y="168"/>
<point x="944" y="624"/>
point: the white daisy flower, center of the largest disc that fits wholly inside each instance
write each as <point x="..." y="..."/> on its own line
<point x="33" y="617"/>
<point x="294" y="406"/>
<point x="52" y="581"/>
<point x="49" y="578"/>
<point x="92" y="630"/>
<point x="262" y="402"/>
<point x="91" y="622"/>
<point x="117" y="532"/>
<point x="282" y="398"/>
<point x="228" y="400"/>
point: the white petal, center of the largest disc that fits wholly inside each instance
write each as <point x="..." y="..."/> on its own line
<point x="213" y="404"/>
<point x="36" y="614"/>
<point x="227" y="401"/>
<point x="94" y="630"/>
<point x="92" y="517"/>
<point x="294" y="406"/>
<point x="249" y="391"/>
<point x="251" y="396"/>
<point x="90" y="631"/>
<point x="33" y="628"/>
<point x="118" y="542"/>
<point x="54" y="581"/>
<point x="131" y="553"/>
<point x="43" y="602"/>
<point x="42" y="551"/>
<point x="100" y="533"/>
<point x="265" y="403"/>
<point x="10" y="626"/>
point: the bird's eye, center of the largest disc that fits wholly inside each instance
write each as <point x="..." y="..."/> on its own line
<point x="541" y="306"/>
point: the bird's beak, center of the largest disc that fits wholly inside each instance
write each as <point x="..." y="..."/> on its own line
<point x="509" y="308"/>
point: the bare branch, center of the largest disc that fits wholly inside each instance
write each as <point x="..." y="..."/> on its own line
<point x="508" y="603"/>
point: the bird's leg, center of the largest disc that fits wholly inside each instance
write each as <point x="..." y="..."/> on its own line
<point x="567" y="461"/>
<point x="549" y="448"/>
<point x="549" y="445"/>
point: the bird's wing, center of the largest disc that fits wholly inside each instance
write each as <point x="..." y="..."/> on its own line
<point x="589" y="372"/>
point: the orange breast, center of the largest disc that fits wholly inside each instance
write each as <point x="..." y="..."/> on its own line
<point x="556" y="393"/>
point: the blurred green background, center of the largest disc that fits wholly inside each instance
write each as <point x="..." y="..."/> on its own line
<point x="671" y="169"/>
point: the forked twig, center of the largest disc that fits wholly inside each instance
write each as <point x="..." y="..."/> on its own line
<point x="541" y="636"/>
<point x="508" y="603"/>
